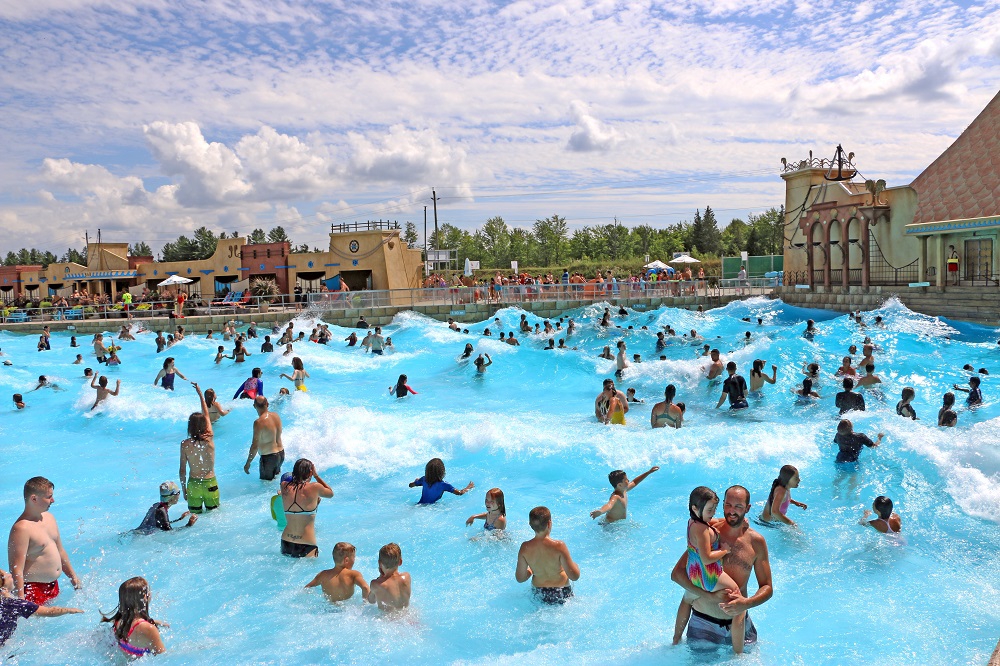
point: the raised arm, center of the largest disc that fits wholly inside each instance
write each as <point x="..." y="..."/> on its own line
<point x="774" y="375"/>
<point x="325" y="490"/>
<point x="637" y="480"/>
<point x="93" y="382"/>
<point x="204" y="407"/>
<point x="118" y="385"/>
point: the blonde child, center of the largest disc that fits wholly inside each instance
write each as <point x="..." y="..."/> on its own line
<point x="495" y="517"/>
<point x="338" y="583"/>
<point x="391" y="590"/>
<point x="704" y="565"/>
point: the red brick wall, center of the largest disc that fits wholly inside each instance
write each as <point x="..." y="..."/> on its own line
<point x="265" y="259"/>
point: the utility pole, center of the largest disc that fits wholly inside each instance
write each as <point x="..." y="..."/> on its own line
<point x="437" y="241"/>
<point x="426" y="258"/>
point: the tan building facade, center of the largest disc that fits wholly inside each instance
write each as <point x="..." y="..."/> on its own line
<point x="844" y="233"/>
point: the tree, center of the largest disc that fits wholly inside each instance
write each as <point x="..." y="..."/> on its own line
<point x="704" y="234"/>
<point x="766" y="234"/>
<point x="257" y="237"/>
<point x="734" y="238"/>
<point x="278" y="235"/>
<point x="642" y="239"/>
<point x="410" y="235"/>
<point x="76" y="257"/>
<point x="520" y="246"/>
<point x="494" y="239"/>
<point x="140" y="249"/>
<point x="616" y="240"/>
<point x="550" y="234"/>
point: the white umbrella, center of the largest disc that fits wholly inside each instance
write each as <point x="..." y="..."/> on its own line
<point x="468" y="267"/>
<point x="656" y="264"/>
<point x="685" y="259"/>
<point x="174" y="279"/>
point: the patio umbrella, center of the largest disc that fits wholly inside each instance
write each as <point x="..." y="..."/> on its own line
<point x="656" y="264"/>
<point x="685" y="259"/>
<point x="174" y="279"/>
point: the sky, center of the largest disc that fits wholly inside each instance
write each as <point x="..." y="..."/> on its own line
<point x="150" y="118"/>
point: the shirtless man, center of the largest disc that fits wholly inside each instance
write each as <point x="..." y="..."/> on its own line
<point x="713" y="611"/>
<point x="715" y="370"/>
<point x="869" y="378"/>
<point x="266" y="441"/>
<point x="103" y="391"/>
<point x="200" y="487"/>
<point x="620" y="361"/>
<point x="99" y="349"/>
<point x="35" y="553"/>
<point x="338" y="583"/>
<point x="603" y="400"/>
<point x="391" y="590"/>
<point x="546" y="562"/>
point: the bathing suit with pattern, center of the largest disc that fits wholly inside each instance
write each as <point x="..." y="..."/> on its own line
<point x="553" y="595"/>
<point x="486" y="523"/>
<point x="705" y="576"/>
<point x="130" y="649"/>
<point x="666" y="415"/>
<point x="292" y="548"/>
<point x="41" y="593"/>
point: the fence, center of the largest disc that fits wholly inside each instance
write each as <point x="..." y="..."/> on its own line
<point x="756" y="266"/>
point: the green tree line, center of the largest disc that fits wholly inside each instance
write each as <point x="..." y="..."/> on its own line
<point x="549" y="242"/>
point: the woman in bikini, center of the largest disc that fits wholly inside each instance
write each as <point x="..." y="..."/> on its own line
<point x="300" y="498"/>
<point x="240" y="352"/>
<point x="666" y="413"/>
<point x="137" y="633"/>
<point x="298" y="376"/>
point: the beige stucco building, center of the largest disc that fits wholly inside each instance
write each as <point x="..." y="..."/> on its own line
<point x="846" y="233"/>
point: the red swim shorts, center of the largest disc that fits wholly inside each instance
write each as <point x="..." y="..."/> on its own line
<point x="41" y="593"/>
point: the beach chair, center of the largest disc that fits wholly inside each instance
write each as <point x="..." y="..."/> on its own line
<point x="73" y="313"/>
<point x="18" y="317"/>
<point x="228" y="299"/>
<point x="243" y="300"/>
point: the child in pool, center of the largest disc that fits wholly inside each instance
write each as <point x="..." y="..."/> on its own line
<point x="780" y="498"/>
<point x="113" y="359"/>
<point x="391" y="590"/>
<point x="298" y="376"/>
<point x="903" y="407"/>
<point x="704" y="565"/>
<point x="495" y="517"/>
<point x="887" y="521"/>
<point x="338" y="583"/>
<point x="617" y="504"/>
<point x="221" y="354"/>
<point x="433" y="484"/>
<point x="616" y="411"/>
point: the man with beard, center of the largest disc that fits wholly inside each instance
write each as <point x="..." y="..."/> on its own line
<point x="712" y="612"/>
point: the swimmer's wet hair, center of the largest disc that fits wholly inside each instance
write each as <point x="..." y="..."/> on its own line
<point x="390" y="555"/>
<point x="883" y="507"/>
<point x="845" y="427"/>
<point x="37" y="485"/>
<point x="949" y="399"/>
<point x="616" y="477"/>
<point x="949" y="418"/>
<point x="848" y="383"/>
<point x="700" y="497"/>
<point x="433" y="471"/>
<point x="497" y="495"/>
<point x="731" y="366"/>
<point x="539" y="518"/>
<point x="341" y="550"/>
<point x="909" y="393"/>
<point x="974" y="381"/>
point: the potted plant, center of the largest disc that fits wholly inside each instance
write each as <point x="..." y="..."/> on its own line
<point x="263" y="289"/>
<point x="89" y="313"/>
<point x="143" y="310"/>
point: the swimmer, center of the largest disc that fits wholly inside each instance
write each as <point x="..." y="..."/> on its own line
<point x="704" y="564"/>
<point x="221" y="354"/>
<point x="126" y="333"/>
<point x="903" y="407"/>
<point x="113" y="360"/>
<point x="661" y="343"/>
<point x="482" y="364"/>
<point x="391" y="590"/>
<point x="868" y="352"/>
<point x="606" y="318"/>
<point x="300" y="497"/>
<point x="42" y="345"/>
<point x="102" y="390"/>
<point x="389" y="345"/>
<point x="630" y="396"/>
<point x="511" y="340"/>
<point x="376" y="344"/>
<point x="79" y="359"/>
<point x="706" y="350"/>
<point x="338" y="583"/>
<point x="811" y="371"/>
<point x="616" y="410"/>
<point x="401" y="389"/>
<point x="252" y="387"/>
<point x="87" y="372"/>
<point x="550" y="345"/>
<point x="715" y="369"/>
<point x="546" y="561"/>
<point x="620" y="362"/>
<point x="879" y="322"/>
<point x="776" y="507"/>
<point x="19" y="401"/>
<point x="432" y="483"/>
<point x="887" y="521"/>
<point x="695" y="337"/>
<point x="734" y="388"/>
<point x="845" y="369"/>
<point x="667" y="413"/>
<point x="200" y="488"/>
<point x="502" y="337"/>
<point x="44" y="382"/>
<point x="215" y="410"/>
<point x="299" y="375"/>
<point x="746" y="338"/>
<point x="467" y="352"/>
<point x="949" y="419"/>
<point x="852" y="350"/>
<point x="495" y="517"/>
<point x="266" y="441"/>
<point x="453" y="325"/>
<point x="810" y="331"/>
<point x="602" y="403"/>
<point x="12" y="608"/>
<point x="947" y="406"/>
<point x="240" y="352"/>
<point x="288" y="350"/>
<point x="34" y="550"/>
<point x="158" y="516"/>
<point x="851" y="442"/>
<point x="758" y="378"/>
<point x="165" y="377"/>
<point x="72" y="341"/>
<point x="637" y="358"/>
<point x="975" y="397"/>
<point x="869" y="378"/>
<point x="617" y="505"/>
<point x="161" y="342"/>
<point x="487" y="333"/>
<point x="136" y="633"/>
<point x="806" y="392"/>
<point x="525" y="326"/>
<point x="847" y="400"/>
<point x="571" y="327"/>
<point x="266" y="347"/>
<point x="99" y="349"/>
<point x="606" y="354"/>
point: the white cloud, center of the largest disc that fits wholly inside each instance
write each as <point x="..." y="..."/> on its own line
<point x="591" y="134"/>
<point x="406" y="156"/>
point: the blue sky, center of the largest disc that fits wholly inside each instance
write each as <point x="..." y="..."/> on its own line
<point x="149" y="118"/>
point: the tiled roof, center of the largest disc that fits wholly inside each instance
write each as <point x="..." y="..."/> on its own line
<point x="964" y="181"/>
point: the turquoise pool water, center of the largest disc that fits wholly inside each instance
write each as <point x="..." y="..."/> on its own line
<point x="843" y="594"/>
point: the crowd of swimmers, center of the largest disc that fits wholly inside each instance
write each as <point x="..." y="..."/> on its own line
<point x="713" y="571"/>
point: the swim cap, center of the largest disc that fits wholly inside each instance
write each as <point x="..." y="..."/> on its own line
<point x="168" y="489"/>
<point x="287" y="477"/>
